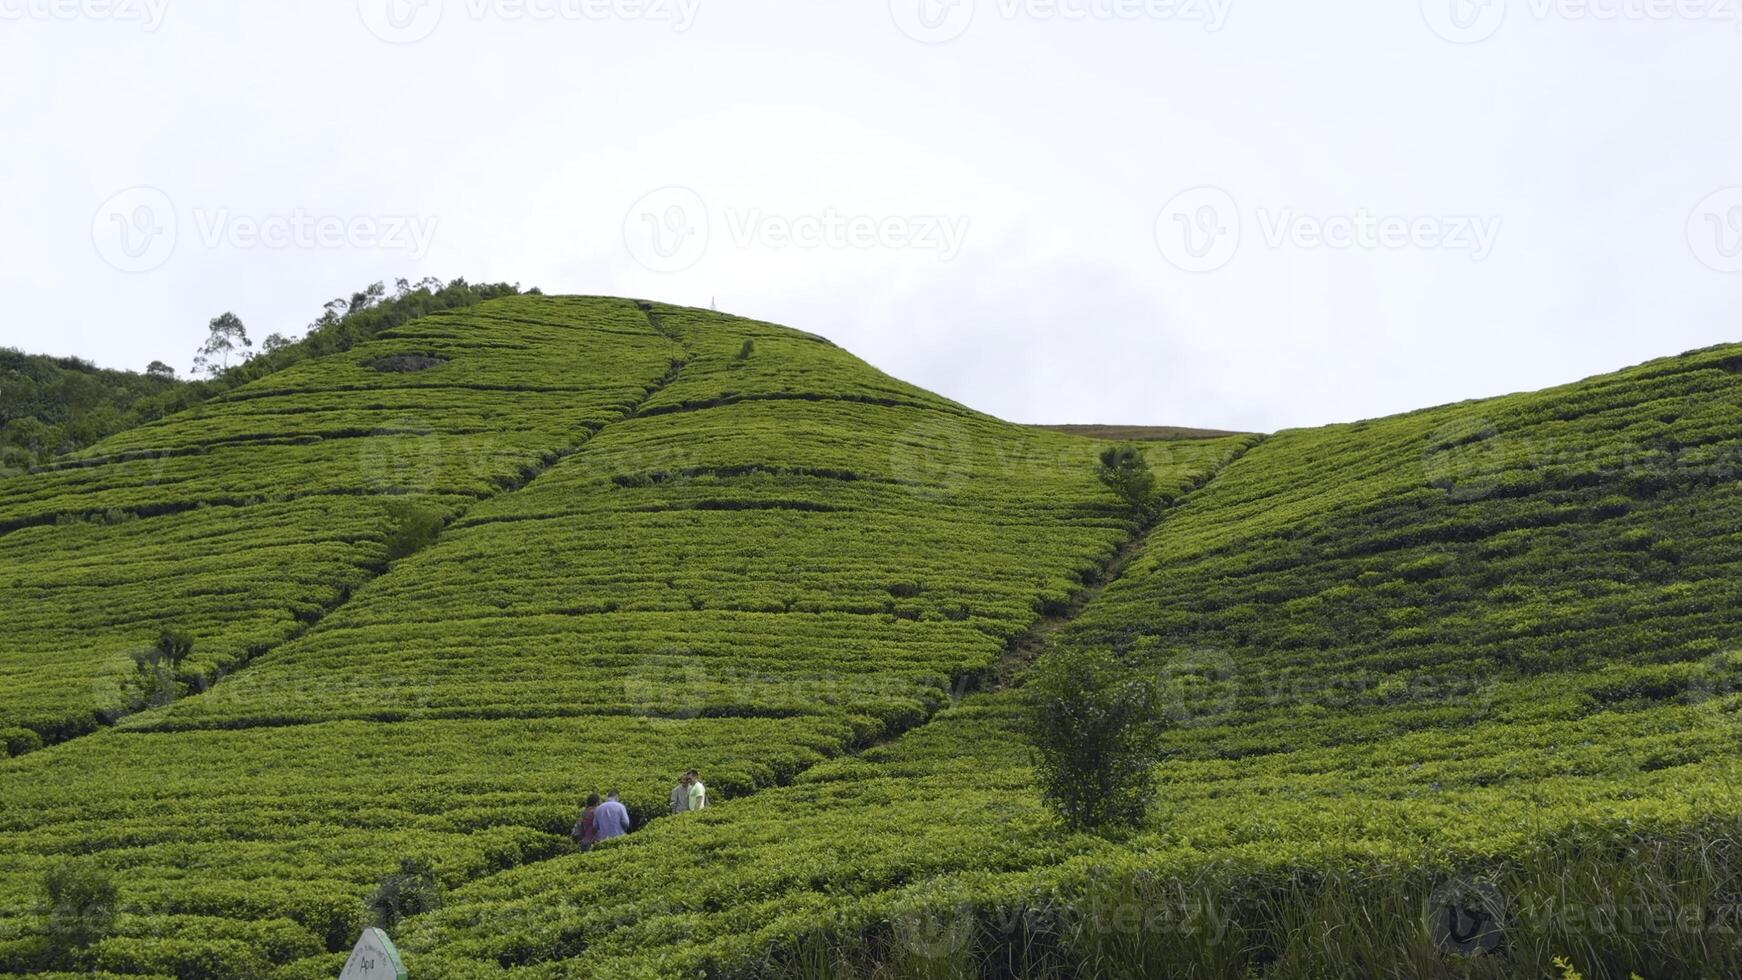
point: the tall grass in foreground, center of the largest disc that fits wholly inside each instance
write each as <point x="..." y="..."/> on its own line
<point x="1613" y="905"/>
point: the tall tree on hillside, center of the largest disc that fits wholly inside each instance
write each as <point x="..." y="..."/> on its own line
<point x="367" y="298"/>
<point x="274" y="342"/>
<point x="227" y="337"/>
<point x="158" y="369"/>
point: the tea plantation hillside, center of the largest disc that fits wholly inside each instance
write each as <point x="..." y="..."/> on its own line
<point x="442" y="585"/>
<point x="244" y="521"/>
<point x="1488" y="649"/>
<point x="557" y="545"/>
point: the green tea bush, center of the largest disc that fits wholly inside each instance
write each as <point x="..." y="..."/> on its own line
<point x="411" y="890"/>
<point x="82" y="903"/>
<point x="414" y="526"/>
<point x="1095" y="734"/>
<point x="1124" y="471"/>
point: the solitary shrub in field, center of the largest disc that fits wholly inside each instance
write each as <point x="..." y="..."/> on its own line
<point x="174" y="646"/>
<point x="81" y="905"/>
<point x="1096" y="738"/>
<point x="1124" y="470"/>
<point x="156" y="667"/>
<point x="413" y="525"/>
<point x="412" y="890"/>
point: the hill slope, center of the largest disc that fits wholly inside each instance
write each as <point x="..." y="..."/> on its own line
<point x="1491" y="640"/>
<point x="245" y="520"/>
<point x="675" y="540"/>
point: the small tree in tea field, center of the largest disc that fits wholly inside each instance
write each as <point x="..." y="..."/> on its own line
<point x="1095" y="738"/>
<point x="1124" y="471"/>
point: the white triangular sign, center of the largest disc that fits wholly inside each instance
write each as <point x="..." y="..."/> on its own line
<point x="374" y="958"/>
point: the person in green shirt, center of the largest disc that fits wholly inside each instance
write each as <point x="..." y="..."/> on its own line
<point x="698" y="794"/>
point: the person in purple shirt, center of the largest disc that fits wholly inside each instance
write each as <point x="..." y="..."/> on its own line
<point x="612" y="819"/>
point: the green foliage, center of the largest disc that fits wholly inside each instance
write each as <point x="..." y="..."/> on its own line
<point x="173" y="647"/>
<point x="412" y="890"/>
<point x="226" y="337"/>
<point x="53" y="406"/>
<point x="18" y="741"/>
<point x="748" y="570"/>
<point x="254" y="517"/>
<point x="414" y="526"/>
<point x="1095" y="737"/>
<point x="156" y="669"/>
<point x="82" y="902"/>
<point x="1382" y="667"/>
<point x="1124" y="470"/>
<point x="1380" y="656"/>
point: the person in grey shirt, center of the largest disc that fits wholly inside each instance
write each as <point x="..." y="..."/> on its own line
<point x="680" y="795"/>
<point x="612" y="818"/>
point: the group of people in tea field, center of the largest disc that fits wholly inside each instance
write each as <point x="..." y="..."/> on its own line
<point x="602" y="820"/>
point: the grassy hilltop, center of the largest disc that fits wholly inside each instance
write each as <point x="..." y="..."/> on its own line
<point x="441" y="585"/>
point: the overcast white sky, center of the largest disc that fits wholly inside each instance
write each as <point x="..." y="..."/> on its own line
<point x="1236" y="213"/>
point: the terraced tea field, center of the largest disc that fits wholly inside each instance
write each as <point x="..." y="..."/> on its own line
<point x="749" y="564"/>
<point x="1492" y="642"/>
